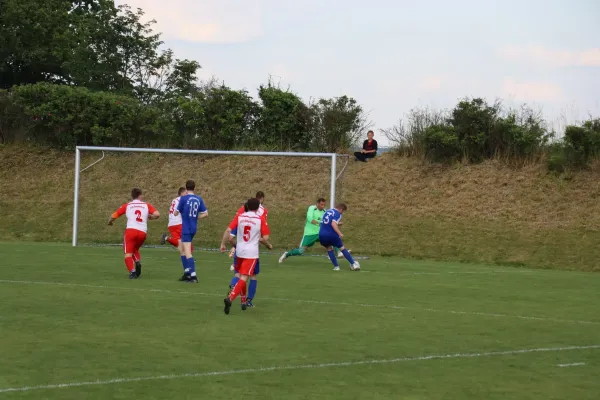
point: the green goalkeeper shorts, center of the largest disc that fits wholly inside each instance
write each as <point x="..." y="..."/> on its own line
<point x="309" y="240"/>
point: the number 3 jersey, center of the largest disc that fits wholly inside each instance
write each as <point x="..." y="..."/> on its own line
<point x="137" y="212"/>
<point x="250" y="227"/>
<point x="190" y="206"/>
<point x="326" y="228"/>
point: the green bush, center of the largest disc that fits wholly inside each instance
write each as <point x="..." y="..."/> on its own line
<point x="476" y="131"/>
<point x="442" y="143"/>
<point x="65" y="116"/>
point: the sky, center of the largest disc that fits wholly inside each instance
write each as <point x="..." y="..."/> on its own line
<point x="395" y="55"/>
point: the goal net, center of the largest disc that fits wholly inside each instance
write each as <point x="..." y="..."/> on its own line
<point x="291" y="182"/>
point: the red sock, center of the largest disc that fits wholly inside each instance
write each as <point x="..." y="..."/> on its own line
<point x="136" y="256"/>
<point x="130" y="264"/>
<point x="239" y="288"/>
<point x="244" y="291"/>
<point x="173" y="242"/>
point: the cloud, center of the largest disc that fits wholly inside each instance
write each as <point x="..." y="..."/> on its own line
<point x="204" y="21"/>
<point x="531" y="91"/>
<point x="559" y="58"/>
<point x="432" y="83"/>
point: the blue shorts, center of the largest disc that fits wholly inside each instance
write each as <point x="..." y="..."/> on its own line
<point x="234" y="232"/>
<point x="334" y="241"/>
<point x="187" y="237"/>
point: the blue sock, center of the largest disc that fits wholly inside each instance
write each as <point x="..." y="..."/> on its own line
<point x="333" y="258"/>
<point x="234" y="280"/>
<point x="252" y="288"/>
<point x="346" y="254"/>
<point x="191" y="264"/>
<point x="184" y="263"/>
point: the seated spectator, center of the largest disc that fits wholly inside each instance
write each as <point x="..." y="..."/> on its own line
<point x="369" y="149"/>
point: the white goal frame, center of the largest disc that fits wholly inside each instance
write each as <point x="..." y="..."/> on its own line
<point x="78" y="170"/>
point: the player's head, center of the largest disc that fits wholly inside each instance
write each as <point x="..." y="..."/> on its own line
<point x="181" y="191"/>
<point x="136" y="193"/>
<point x="341" y="207"/>
<point x="260" y="196"/>
<point x="246" y="207"/>
<point x="190" y="185"/>
<point x="253" y="204"/>
<point x="320" y="203"/>
<point x="370" y="135"/>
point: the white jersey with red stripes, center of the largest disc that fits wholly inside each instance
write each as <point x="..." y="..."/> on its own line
<point x="137" y="212"/>
<point x="174" y="219"/>
<point x="250" y="227"/>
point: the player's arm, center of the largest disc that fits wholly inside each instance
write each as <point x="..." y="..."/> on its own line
<point x="152" y="212"/>
<point x="203" y="210"/>
<point x="120" y="211"/>
<point x="264" y="240"/>
<point x="310" y="216"/>
<point x="264" y="234"/>
<point x="226" y="238"/>
<point x="334" y="224"/>
<point x="227" y="234"/>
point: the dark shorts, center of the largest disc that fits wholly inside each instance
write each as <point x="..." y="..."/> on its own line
<point x="187" y="237"/>
<point x="334" y="241"/>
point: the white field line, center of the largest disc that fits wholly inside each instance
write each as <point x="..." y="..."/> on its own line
<point x="570" y="365"/>
<point x="329" y="303"/>
<point x="296" y="367"/>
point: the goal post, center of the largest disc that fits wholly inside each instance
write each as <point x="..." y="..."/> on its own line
<point x="78" y="170"/>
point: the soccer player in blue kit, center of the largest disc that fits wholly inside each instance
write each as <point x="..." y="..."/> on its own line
<point x="191" y="207"/>
<point x="330" y="236"/>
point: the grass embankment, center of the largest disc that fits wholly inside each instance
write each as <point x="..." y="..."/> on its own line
<point x="484" y="213"/>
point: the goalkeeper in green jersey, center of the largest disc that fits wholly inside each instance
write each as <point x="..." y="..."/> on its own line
<point x="314" y="215"/>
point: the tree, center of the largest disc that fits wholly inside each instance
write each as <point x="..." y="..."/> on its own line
<point x="35" y="41"/>
<point x="337" y="124"/>
<point x="89" y="43"/>
<point x="283" y="118"/>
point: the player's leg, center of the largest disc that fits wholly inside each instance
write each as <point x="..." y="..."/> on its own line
<point x="173" y="238"/>
<point x="306" y="242"/>
<point x="186" y="242"/>
<point x="253" y="285"/>
<point x="354" y="265"/>
<point x="232" y="241"/>
<point x="128" y="249"/>
<point x="329" y="244"/>
<point x="236" y="275"/>
<point x="186" y="275"/>
<point x="246" y="269"/>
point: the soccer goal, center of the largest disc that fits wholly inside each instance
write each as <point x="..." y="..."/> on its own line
<point x="290" y="180"/>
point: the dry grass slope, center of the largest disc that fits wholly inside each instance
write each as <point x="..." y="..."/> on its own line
<point x="485" y="213"/>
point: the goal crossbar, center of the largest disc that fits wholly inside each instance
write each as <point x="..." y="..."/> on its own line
<point x="79" y="149"/>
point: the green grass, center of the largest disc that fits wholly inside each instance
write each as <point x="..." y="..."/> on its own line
<point x="69" y="315"/>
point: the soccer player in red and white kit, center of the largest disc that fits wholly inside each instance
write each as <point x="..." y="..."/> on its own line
<point x="138" y="213"/>
<point x="174" y="225"/>
<point x="254" y="230"/>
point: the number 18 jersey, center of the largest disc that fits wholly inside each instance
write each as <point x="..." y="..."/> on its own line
<point x="190" y="206"/>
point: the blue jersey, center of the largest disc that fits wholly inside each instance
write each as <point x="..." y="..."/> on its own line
<point x="326" y="228"/>
<point x="190" y="206"/>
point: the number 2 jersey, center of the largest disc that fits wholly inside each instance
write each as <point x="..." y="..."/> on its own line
<point x="137" y="212"/>
<point x="250" y="227"/>
<point x="326" y="228"/>
<point x="189" y="207"/>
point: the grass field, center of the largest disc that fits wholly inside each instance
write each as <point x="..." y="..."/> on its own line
<point x="73" y="327"/>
